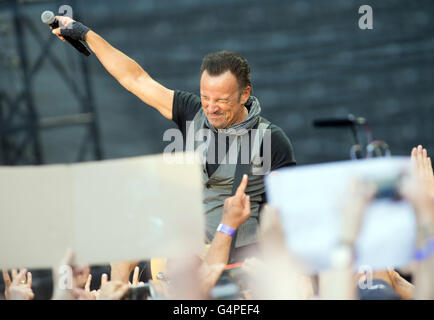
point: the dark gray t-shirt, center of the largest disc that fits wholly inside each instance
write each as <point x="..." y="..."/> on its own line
<point x="185" y="107"/>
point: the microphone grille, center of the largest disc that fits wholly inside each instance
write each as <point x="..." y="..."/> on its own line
<point x="48" y="17"/>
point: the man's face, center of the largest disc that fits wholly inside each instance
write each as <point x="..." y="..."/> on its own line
<point x="221" y="100"/>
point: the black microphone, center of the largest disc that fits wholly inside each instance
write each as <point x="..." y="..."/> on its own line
<point x="49" y="18"/>
<point x="351" y="120"/>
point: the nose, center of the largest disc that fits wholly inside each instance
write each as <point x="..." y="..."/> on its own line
<point x="212" y="107"/>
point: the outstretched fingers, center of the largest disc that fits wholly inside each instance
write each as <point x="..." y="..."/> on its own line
<point x="20" y="278"/>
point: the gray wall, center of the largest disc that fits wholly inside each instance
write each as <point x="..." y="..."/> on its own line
<point x="309" y="59"/>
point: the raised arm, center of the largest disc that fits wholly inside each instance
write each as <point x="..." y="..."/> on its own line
<point x="236" y="211"/>
<point x="124" y="69"/>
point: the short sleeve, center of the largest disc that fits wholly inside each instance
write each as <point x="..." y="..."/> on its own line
<point x="185" y="107"/>
<point x="282" y="152"/>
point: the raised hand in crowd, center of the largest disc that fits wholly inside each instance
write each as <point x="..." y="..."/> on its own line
<point x="20" y="288"/>
<point x="86" y="293"/>
<point x="423" y="165"/>
<point x="136" y="276"/>
<point x="284" y="273"/>
<point x="67" y="277"/>
<point x="417" y="188"/>
<point x="113" y="290"/>
<point x="236" y="211"/>
<point x="109" y="290"/>
<point x="338" y="281"/>
<point x="192" y="278"/>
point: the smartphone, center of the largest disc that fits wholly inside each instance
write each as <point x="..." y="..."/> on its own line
<point x="387" y="188"/>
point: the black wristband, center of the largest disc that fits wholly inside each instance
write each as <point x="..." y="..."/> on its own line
<point x="75" y="30"/>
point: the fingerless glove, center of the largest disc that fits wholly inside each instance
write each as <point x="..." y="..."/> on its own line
<point x="75" y="30"/>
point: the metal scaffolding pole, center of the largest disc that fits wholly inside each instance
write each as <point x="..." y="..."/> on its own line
<point x="19" y="117"/>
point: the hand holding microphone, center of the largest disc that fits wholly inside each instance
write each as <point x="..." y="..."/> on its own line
<point x="67" y="29"/>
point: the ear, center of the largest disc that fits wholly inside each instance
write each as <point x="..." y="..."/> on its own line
<point x="245" y="95"/>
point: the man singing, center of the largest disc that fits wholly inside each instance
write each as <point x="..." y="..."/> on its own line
<point x="225" y="109"/>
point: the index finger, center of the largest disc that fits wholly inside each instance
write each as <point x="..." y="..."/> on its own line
<point x="243" y="185"/>
<point x="136" y="276"/>
<point x="14" y="274"/>
<point x="87" y="285"/>
<point x="104" y="278"/>
<point x="414" y="152"/>
<point x="6" y="278"/>
<point x="29" y="279"/>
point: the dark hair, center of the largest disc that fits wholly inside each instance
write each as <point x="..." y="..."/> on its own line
<point x="219" y="62"/>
